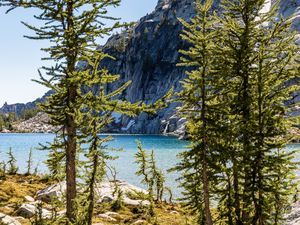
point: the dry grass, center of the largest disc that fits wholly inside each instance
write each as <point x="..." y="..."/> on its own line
<point x="165" y="215"/>
<point x="13" y="189"/>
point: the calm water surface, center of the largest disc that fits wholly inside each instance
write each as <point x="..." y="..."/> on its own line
<point x="165" y="148"/>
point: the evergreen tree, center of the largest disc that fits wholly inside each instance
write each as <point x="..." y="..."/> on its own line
<point x="29" y="163"/>
<point x="11" y="163"/>
<point x="153" y="177"/>
<point x="233" y="100"/>
<point x="258" y="58"/>
<point x="73" y="27"/>
<point x="201" y="106"/>
<point x="142" y="159"/>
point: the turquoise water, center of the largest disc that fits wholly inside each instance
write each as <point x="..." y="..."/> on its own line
<point x="165" y="148"/>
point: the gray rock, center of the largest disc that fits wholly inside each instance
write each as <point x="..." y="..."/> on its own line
<point x="29" y="210"/>
<point x="8" y="220"/>
<point x="113" y="214"/>
<point x="36" y="124"/>
<point x="106" y="217"/>
<point x="29" y="199"/>
<point x="54" y="191"/>
<point x="104" y="192"/>
<point x="139" y="222"/>
<point x="128" y="201"/>
<point x="293" y="218"/>
<point x="107" y="188"/>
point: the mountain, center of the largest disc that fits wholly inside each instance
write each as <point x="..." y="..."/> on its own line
<point x="147" y="54"/>
<point x="19" y="107"/>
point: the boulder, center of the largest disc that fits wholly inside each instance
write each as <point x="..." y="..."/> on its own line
<point x="113" y="214"/>
<point x="293" y="218"/>
<point x="139" y="222"/>
<point x="29" y="210"/>
<point x="128" y="201"/>
<point x="54" y="191"/>
<point x="105" y="190"/>
<point x="8" y="220"/>
<point x="106" y="217"/>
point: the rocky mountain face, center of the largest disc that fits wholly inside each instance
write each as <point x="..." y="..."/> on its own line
<point x="19" y="107"/>
<point x="36" y="124"/>
<point x="147" y="54"/>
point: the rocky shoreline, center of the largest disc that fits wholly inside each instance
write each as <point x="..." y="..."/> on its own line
<point x="21" y="197"/>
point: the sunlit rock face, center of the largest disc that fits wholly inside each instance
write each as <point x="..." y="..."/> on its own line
<point x="149" y="59"/>
<point x="147" y="55"/>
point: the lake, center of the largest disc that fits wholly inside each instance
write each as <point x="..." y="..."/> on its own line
<point x="166" y="149"/>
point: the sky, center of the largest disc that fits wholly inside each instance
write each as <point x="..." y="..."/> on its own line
<point x="20" y="58"/>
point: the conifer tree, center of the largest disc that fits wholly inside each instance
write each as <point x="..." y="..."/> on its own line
<point x="200" y="108"/>
<point x="29" y="163"/>
<point x="142" y="159"/>
<point x="73" y="27"/>
<point x="258" y="58"/>
<point x="153" y="177"/>
<point x="252" y="55"/>
<point x="11" y="163"/>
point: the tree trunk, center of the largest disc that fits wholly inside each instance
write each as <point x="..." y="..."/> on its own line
<point x="91" y="189"/>
<point x="71" y="168"/>
<point x="205" y="180"/>
<point x="237" y="203"/>
<point x="71" y="127"/>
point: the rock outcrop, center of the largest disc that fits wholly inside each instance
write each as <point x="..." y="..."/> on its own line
<point x="293" y="218"/>
<point x="8" y="220"/>
<point x="148" y="56"/>
<point x="36" y="124"/>
<point x="30" y="210"/>
<point x="104" y="192"/>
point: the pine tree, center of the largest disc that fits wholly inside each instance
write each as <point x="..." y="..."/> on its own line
<point x="29" y="163"/>
<point x="142" y="159"/>
<point x="153" y="177"/>
<point x="258" y="59"/>
<point x="12" y="163"/>
<point x="73" y="27"/>
<point x="239" y="108"/>
<point x="200" y="106"/>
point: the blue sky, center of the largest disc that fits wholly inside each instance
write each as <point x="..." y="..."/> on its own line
<point x="20" y="57"/>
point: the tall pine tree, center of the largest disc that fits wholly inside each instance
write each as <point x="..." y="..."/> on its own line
<point x="201" y="106"/>
<point x="258" y="58"/>
<point x="72" y="27"/>
<point x="233" y="100"/>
